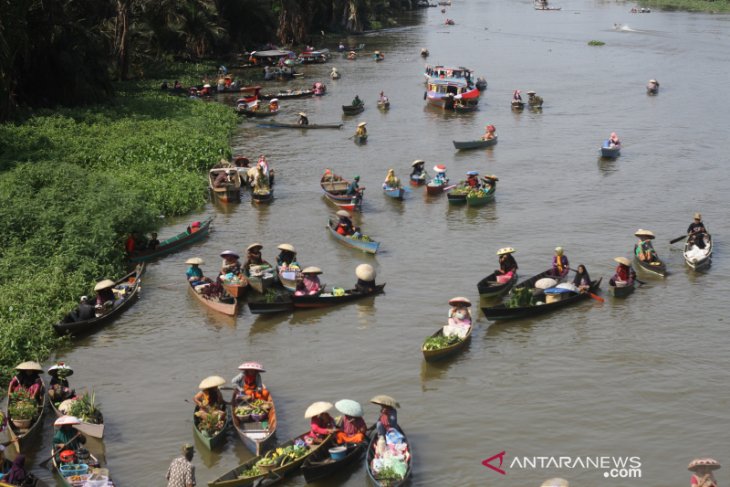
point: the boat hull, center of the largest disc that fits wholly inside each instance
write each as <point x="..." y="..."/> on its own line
<point x="227" y="308"/>
<point x="395" y="193"/>
<point x="702" y="263"/>
<point x="658" y="270"/>
<point x="445" y="352"/>
<point x="435" y="189"/>
<point x="258" y="437"/>
<point x="212" y="442"/>
<point x="264" y="308"/>
<point x="303" y="127"/>
<point x="475" y="201"/>
<point x="620" y="291"/>
<point x="236" y="290"/>
<point x="474" y="144"/>
<point x="173" y="244"/>
<point x="368" y="464"/>
<point x="322" y="301"/>
<point x="489" y="288"/>
<point x="456" y="199"/>
<point x="321" y="466"/>
<point x="370" y="247"/>
<point x="353" y="110"/>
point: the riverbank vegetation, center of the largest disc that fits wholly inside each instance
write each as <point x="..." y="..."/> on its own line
<point x="74" y="183"/>
<point x="709" y="6"/>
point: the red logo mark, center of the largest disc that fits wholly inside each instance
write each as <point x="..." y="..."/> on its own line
<point x="487" y="463"/>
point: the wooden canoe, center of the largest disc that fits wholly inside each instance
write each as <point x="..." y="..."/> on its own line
<point x="276" y="125"/>
<point x="263" y="282"/>
<point x="228" y="192"/>
<point x="288" y="278"/>
<point x="481" y="198"/>
<point x="336" y="192"/>
<point x="173" y="244"/>
<point x="369" y="462"/>
<point x="353" y="110"/>
<point x="238" y="290"/>
<point x="93" y="464"/>
<point x="442" y="353"/>
<point x="434" y="189"/>
<point x="518" y="105"/>
<point x="257" y="436"/>
<point x="283" y="95"/>
<point x="657" y="268"/>
<point x="705" y="261"/>
<point x="258" y="196"/>
<point x="394" y="193"/>
<point x="320" y="465"/>
<point x="325" y="300"/>
<point x="610" y="152"/>
<point x="490" y="288"/>
<point x="370" y="247"/>
<point x="419" y="180"/>
<point x="132" y="285"/>
<point x="233" y="477"/>
<point x="19" y="436"/>
<point x="279" y="305"/>
<point x="219" y="438"/>
<point x="474" y="144"/>
<point x="621" y="291"/>
<point x="503" y="312"/>
<point x="94" y="430"/>
<point x="256" y="114"/>
<point x="227" y="305"/>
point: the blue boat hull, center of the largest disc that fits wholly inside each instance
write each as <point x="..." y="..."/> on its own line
<point x="395" y="193"/>
<point x="369" y="247"/>
<point x="610" y="152"/>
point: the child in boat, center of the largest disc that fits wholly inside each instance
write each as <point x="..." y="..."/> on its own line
<point x="459" y="318"/>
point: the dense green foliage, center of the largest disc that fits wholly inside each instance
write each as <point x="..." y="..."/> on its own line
<point x="712" y="6"/>
<point x="74" y="184"/>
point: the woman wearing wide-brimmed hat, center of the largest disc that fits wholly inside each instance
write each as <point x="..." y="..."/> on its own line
<point x="253" y="257"/>
<point x="352" y="428"/>
<point x="230" y="264"/>
<point x="309" y="285"/>
<point x="28" y="379"/>
<point x="388" y="415"/>
<point x="507" y="263"/>
<point x="459" y="318"/>
<point x="194" y="272"/>
<point x="418" y="170"/>
<point x="365" y="274"/>
<point x="210" y="399"/>
<point x="249" y="383"/>
<point x="66" y="437"/>
<point x="702" y="475"/>
<point x="624" y="275"/>
<point x="104" y="293"/>
<point x="321" y="423"/>
<point x="644" y="249"/>
<point x="59" y="389"/>
<point x="287" y="256"/>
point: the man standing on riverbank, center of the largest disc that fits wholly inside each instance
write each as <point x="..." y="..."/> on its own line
<point x="182" y="472"/>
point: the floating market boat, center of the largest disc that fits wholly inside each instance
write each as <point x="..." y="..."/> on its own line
<point x="373" y="476"/>
<point x="94" y="430"/>
<point x="336" y="192"/>
<point x="173" y="244"/>
<point x="218" y="438"/>
<point x="481" y="197"/>
<point x="621" y="291"/>
<point x="236" y="288"/>
<point x="490" y="287"/>
<point x="367" y="246"/>
<point x="256" y="433"/>
<point x="657" y="268"/>
<point x="326" y="299"/>
<point x="229" y="190"/>
<point x="353" y="110"/>
<point x="395" y="193"/>
<point x="696" y="258"/>
<point x="449" y="346"/>
<point x="21" y="431"/>
<point x="287" y="94"/>
<point x="321" y="464"/>
<point x="81" y="472"/>
<point x="288" y="277"/>
<point x="474" y="144"/>
<point x="311" y="126"/>
<point x="227" y="305"/>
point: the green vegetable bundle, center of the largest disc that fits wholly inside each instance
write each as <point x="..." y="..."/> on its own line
<point x="440" y="341"/>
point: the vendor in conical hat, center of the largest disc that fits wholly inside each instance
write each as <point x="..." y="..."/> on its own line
<point x="249" y="383"/>
<point x="253" y="258"/>
<point x="644" y="249"/>
<point x="309" y="285"/>
<point x="365" y="278"/>
<point x="59" y="389"/>
<point x="287" y="256"/>
<point x="361" y="130"/>
<point x="104" y="293"/>
<point x="459" y="318"/>
<point x="302" y="120"/>
<point x="702" y="475"/>
<point x="321" y="423"/>
<point x="230" y="263"/>
<point x="417" y="166"/>
<point x="624" y="275"/>
<point x="66" y="436"/>
<point x="210" y="400"/>
<point x="388" y="418"/>
<point x="195" y="273"/>
<point x="353" y="428"/>
<point x="507" y="263"/>
<point x="28" y="379"/>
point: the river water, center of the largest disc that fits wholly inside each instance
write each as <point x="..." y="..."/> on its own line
<point x="643" y="377"/>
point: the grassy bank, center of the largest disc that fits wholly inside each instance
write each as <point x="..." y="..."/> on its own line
<point x="719" y="6"/>
<point x="73" y="183"/>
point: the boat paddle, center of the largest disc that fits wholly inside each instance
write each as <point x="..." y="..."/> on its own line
<point x="447" y="188"/>
<point x="594" y="296"/>
<point x="44" y="462"/>
<point x="675" y="240"/>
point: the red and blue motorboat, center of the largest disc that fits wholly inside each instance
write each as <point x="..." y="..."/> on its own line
<point x="444" y="93"/>
<point x="449" y="73"/>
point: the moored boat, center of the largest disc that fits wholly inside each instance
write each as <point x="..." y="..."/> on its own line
<point x="173" y="244"/>
<point x="311" y="126"/>
<point x="321" y="464"/>
<point x="215" y="440"/>
<point x="21" y="431"/>
<point x="215" y="300"/>
<point x="127" y="289"/>
<point x="452" y="347"/>
<point x="474" y="144"/>
<point x="353" y="109"/>
<point x="395" y="193"/>
<point x="237" y="477"/>
<point x="336" y="192"/>
<point x="327" y="299"/>
<point x="698" y="258"/>
<point x="226" y="189"/>
<point x="367" y="246"/>
<point x="258" y="436"/>
<point x="373" y="475"/>
<point x="288" y="94"/>
<point x="621" y="291"/>
<point x="490" y="287"/>
<point x="610" y="151"/>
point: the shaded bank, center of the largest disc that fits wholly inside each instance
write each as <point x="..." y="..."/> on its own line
<point x="709" y="6"/>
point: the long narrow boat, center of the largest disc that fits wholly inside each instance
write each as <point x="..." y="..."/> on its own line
<point x="278" y="305"/>
<point x="372" y="476"/>
<point x="395" y="193"/>
<point x="76" y="480"/>
<point x="226" y="305"/>
<point x="325" y="300"/>
<point x="288" y="277"/>
<point x="20" y="436"/>
<point x="336" y="192"/>
<point x="31" y="480"/>
<point x="257" y="114"/>
<point x="229" y="191"/>
<point x="700" y="259"/>
<point x="311" y="126"/>
<point x="490" y="288"/>
<point x="367" y="246"/>
<point x="353" y="110"/>
<point x="480" y="198"/>
<point x="258" y="436"/>
<point x="173" y="244"/>
<point x="610" y="152"/>
<point x="503" y="312"/>
<point x="447" y="351"/>
<point x="657" y="268"/>
<point x="289" y="94"/>
<point x="130" y="284"/>
<point x="474" y="144"/>
<point x="262" y="196"/>
<point x="321" y="465"/>
<point x="216" y="440"/>
<point x="621" y="291"/>
<point x="95" y="430"/>
<point x="233" y="477"/>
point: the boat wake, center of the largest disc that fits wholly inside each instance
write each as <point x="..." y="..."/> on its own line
<point x="626" y="28"/>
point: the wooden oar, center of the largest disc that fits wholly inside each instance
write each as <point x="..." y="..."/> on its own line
<point x="446" y="188"/>
<point x="675" y="240"/>
<point x="596" y="297"/>
<point x="54" y="449"/>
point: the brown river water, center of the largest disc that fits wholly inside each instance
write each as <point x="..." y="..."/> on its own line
<point x="642" y="377"/>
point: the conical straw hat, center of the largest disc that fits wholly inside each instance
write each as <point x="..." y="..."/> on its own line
<point x="286" y="246"/>
<point x="212" y="381"/>
<point x="349" y="407"/>
<point x="30" y="365"/>
<point x="383" y="400"/>
<point x="417" y="162"/>
<point x="343" y="213"/>
<point x="506" y="250"/>
<point x="194" y="261"/>
<point x="251" y="366"/>
<point x="644" y="233"/>
<point x="317" y="408"/>
<point x="622" y="260"/>
<point x="365" y="272"/>
<point x="66" y="420"/>
<point x="710" y="463"/>
<point x="459" y="300"/>
<point x="105" y="284"/>
<point x="311" y="270"/>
